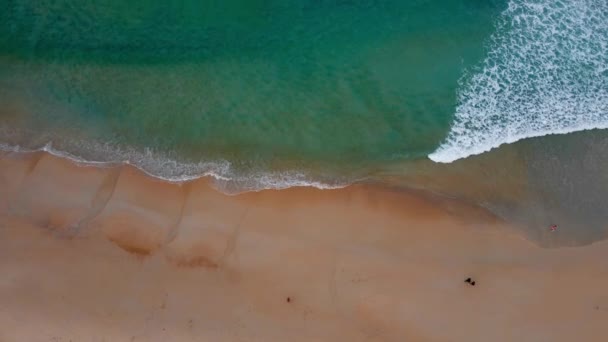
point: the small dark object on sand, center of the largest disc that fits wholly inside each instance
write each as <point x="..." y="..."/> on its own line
<point x="468" y="280"/>
<point x="288" y="299"/>
<point x="473" y="283"/>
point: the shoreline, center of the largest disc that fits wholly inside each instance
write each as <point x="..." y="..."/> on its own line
<point x="520" y="183"/>
<point x="275" y="180"/>
<point x="212" y="179"/>
<point x="109" y="253"/>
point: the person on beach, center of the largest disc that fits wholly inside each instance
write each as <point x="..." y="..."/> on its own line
<point x="553" y="227"/>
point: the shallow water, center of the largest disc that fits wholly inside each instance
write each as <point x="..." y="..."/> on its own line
<point x="535" y="183"/>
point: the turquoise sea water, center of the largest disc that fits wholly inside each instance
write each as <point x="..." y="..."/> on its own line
<point x="311" y="89"/>
<point x="272" y="94"/>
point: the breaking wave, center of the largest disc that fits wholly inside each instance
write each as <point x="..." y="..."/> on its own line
<point x="169" y="168"/>
<point x="546" y="72"/>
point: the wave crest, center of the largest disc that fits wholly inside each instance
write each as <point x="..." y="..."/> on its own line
<point x="546" y="73"/>
<point x="225" y="178"/>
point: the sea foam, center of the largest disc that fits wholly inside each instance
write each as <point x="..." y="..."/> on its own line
<point x="167" y="168"/>
<point x="546" y="72"/>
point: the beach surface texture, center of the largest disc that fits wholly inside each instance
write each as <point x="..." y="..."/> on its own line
<point x="111" y="254"/>
<point x="292" y="170"/>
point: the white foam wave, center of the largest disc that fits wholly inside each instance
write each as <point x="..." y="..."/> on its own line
<point x="162" y="167"/>
<point x="546" y="73"/>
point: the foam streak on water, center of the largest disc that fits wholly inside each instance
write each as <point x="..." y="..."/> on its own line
<point x="165" y="167"/>
<point x="546" y="72"/>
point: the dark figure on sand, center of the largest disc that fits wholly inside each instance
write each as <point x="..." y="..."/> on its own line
<point x="470" y="281"/>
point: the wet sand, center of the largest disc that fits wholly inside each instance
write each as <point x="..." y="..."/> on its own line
<point x="110" y="254"/>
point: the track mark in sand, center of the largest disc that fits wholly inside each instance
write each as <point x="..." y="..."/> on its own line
<point x="174" y="229"/>
<point x="206" y="259"/>
<point x="231" y="244"/>
<point x="31" y="166"/>
<point x="99" y="202"/>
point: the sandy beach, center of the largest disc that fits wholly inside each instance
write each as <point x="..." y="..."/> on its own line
<point x="111" y="254"/>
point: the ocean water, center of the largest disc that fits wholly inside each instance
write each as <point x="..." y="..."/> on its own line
<point x="273" y="94"/>
<point x="545" y="72"/>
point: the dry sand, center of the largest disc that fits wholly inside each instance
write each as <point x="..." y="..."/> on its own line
<point x="110" y="254"/>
